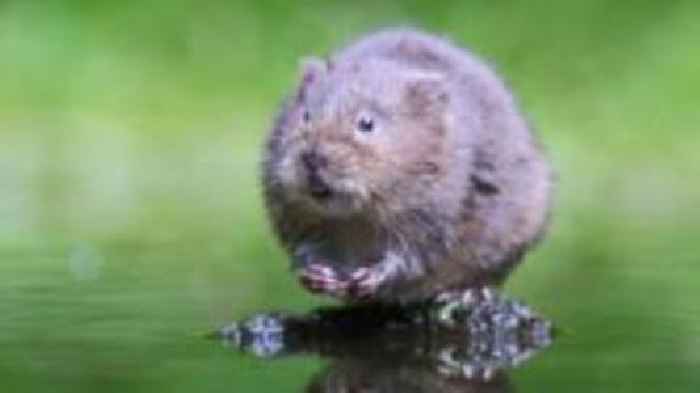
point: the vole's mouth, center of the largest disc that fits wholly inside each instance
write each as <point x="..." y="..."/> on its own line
<point x="329" y="198"/>
<point x="318" y="188"/>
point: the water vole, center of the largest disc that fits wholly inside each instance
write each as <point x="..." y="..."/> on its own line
<point x="401" y="167"/>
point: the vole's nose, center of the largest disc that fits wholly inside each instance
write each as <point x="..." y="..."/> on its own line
<point x="313" y="161"/>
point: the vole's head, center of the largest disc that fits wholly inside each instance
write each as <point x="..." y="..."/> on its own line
<point x="360" y="135"/>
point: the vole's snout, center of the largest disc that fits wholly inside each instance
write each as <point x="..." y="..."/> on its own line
<point x="314" y="163"/>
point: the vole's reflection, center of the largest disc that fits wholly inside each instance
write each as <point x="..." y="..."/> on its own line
<point x="361" y="375"/>
<point x="410" y="362"/>
<point x="465" y="342"/>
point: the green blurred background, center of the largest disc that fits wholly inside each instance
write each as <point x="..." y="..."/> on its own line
<point x="130" y="209"/>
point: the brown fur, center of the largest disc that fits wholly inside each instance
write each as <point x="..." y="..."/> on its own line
<point x="448" y="191"/>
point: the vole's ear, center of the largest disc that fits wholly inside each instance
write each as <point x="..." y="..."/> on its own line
<point x="426" y="91"/>
<point x="312" y="69"/>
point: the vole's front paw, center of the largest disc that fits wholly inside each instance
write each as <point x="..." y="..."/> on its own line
<point x="364" y="283"/>
<point x="317" y="278"/>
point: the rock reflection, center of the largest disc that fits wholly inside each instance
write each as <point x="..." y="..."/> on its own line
<point x="463" y="341"/>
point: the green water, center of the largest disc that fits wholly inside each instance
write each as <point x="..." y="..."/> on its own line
<point x="130" y="212"/>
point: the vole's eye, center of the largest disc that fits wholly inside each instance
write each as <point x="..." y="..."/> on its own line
<point x="365" y="124"/>
<point x="306" y="116"/>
